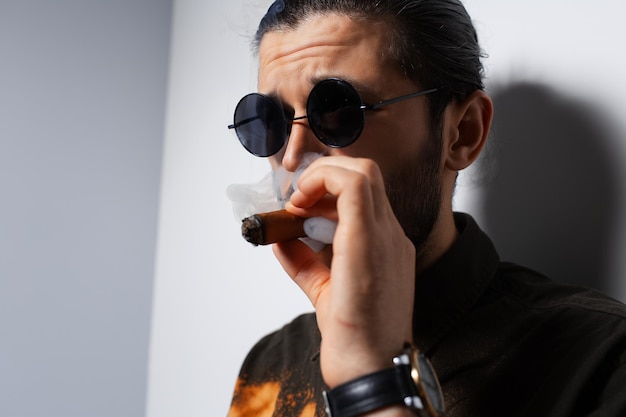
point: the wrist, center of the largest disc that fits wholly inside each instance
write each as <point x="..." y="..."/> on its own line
<point x="343" y="362"/>
<point x="345" y="369"/>
<point x="410" y="385"/>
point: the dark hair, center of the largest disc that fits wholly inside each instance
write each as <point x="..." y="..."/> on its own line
<point x="433" y="41"/>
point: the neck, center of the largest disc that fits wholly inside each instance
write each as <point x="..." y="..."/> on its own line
<point x="441" y="238"/>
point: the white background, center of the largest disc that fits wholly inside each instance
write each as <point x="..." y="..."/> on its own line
<point x="216" y="295"/>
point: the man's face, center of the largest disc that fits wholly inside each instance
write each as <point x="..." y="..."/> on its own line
<point x="397" y="137"/>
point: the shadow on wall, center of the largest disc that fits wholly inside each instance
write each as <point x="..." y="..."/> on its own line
<point x="553" y="195"/>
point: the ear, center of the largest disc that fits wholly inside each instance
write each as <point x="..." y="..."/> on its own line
<point x="471" y="120"/>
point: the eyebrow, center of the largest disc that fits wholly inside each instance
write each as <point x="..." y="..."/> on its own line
<point x="361" y="88"/>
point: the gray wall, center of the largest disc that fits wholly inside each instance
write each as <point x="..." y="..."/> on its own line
<point x="82" y="104"/>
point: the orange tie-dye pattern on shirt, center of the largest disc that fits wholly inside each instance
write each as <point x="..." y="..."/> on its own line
<point x="254" y="400"/>
<point x="261" y="400"/>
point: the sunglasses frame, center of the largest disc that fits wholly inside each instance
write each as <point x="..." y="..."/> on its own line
<point x="288" y="121"/>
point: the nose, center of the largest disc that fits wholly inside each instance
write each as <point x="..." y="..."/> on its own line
<point x="300" y="142"/>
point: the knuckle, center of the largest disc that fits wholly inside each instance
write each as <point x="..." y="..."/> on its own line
<point x="370" y="168"/>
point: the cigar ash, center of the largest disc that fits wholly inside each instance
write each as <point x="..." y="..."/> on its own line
<point x="252" y="230"/>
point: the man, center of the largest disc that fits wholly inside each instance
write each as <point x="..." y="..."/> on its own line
<point x="391" y="94"/>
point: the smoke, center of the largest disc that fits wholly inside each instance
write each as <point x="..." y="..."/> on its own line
<point x="272" y="192"/>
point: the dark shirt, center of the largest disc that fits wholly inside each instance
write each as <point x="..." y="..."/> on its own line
<point x="503" y="339"/>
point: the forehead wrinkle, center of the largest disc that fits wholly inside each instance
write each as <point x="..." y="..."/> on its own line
<point x="282" y="54"/>
<point x="315" y="38"/>
<point x="344" y="27"/>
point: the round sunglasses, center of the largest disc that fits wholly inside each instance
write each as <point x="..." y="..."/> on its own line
<point x="334" y="109"/>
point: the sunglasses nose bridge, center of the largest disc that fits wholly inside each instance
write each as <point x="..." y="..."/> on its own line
<point x="300" y="141"/>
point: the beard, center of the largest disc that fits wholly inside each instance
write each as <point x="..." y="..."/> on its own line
<point x="414" y="191"/>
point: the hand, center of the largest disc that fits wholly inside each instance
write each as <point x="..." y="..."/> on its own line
<point x="364" y="300"/>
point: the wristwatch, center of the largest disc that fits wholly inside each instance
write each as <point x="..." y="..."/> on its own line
<point x="411" y="382"/>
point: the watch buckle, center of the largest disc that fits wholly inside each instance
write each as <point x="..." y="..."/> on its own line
<point x="327" y="404"/>
<point x="414" y="402"/>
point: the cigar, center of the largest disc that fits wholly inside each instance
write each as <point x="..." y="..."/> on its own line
<point x="272" y="227"/>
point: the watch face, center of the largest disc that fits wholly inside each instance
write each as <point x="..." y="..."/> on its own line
<point x="430" y="384"/>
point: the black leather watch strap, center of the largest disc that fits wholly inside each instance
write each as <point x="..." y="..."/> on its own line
<point x="370" y="392"/>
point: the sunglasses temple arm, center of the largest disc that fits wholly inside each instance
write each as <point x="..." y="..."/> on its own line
<point x="397" y="99"/>
<point x="243" y="122"/>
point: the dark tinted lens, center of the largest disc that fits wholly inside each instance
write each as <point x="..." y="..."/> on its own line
<point x="260" y="125"/>
<point x="334" y="113"/>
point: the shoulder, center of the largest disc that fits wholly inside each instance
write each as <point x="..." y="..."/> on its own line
<point x="281" y="375"/>
<point x="537" y="292"/>
<point x="558" y="317"/>
<point x="294" y="343"/>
